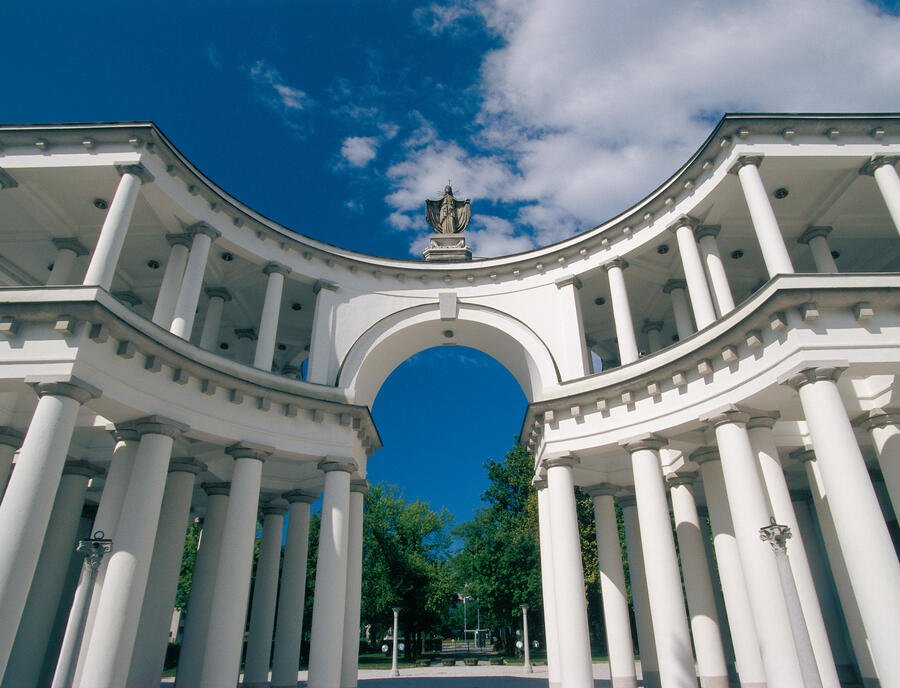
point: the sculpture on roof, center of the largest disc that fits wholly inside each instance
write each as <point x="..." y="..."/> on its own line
<point x="448" y="215"/>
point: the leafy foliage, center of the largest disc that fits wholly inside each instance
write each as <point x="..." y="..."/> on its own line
<point x="188" y="559"/>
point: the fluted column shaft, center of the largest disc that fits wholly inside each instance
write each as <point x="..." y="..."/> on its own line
<point x="268" y="321"/>
<point x="684" y="326"/>
<point x="701" y="301"/>
<point x="715" y="268"/>
<point x="192" y="282"/>
<point x="618" y="294"/>
<point x="350" y="653"/>
<point x="548" y="585"/>
<point x="171" y="280"/>
<point x="889" y="185"/>
<point x="765" y="224"/>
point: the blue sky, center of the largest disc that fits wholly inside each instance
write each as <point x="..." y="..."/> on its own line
<point x="339" y="118"/>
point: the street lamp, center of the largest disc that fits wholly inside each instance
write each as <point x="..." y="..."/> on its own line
<point x="777" y="535"/>
<point x="395" y="670"/>
<point x="527" y="647"/>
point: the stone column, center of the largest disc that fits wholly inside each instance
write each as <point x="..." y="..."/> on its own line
<point x="329" y="602"/>
<point x="749" y="512"/>
<point x="228" y="611"/>
<point x="192" y="283"/>
<point x="548" y="585"/>
<point x="318" y="367"/>
<point x="28" y="502"/>
<point x="612" y="588"/>
<point x="884" y="424"/>
<point x="44" y="597"/>
<point x="618" y="295"/>
<point x="763" y="443"/>
<point x="707" y="237"/>
<point x="639" y="594"/>
<point x="265" y="592"/>
<point x="734" y="586"/>
<point x="212" y="323"/>
<point x="815" y="238"/>
<point x="112" y="637"/>
<point x="10" y="441"/>
<point x="105" y="258"/>
<point x="67" y="250"/>
<point x="350" y="653"/>
<point x="171" y="280"/>
<point x="683" y="323"/>
<point x="712" y="668"/>
<point x="162" y="582"/>
<point x="653" y="328"/>
<point x="768" y="233"/>
<point x="863" y="535"/>
<point x="701" y="301"/>
<point x="882" y="168"/>
<point x="576" y="359"/>
<point x="196" y="626"/>
<point x="286" y="659"/>
<point x="246" y="337"/>
<point x="268" y="321"/>
<point x="670" y="627"/>
<point x="568" y="576"/>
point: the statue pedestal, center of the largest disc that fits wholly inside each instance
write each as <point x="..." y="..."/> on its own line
<point x="448" y="248"/>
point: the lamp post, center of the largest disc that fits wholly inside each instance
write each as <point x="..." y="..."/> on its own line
<point x="395" y="670"/>
<point x="777" y="535"/>
<point x="527" y="647"/>
<point x="93" y="550"/>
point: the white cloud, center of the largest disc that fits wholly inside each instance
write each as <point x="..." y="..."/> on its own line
<point x="359" y="151"/>
<point x="279" y="95"/>
<point x="212" y="55"/>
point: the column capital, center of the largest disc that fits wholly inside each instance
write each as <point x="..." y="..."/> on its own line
<point x="186" y="464"/>
<point x="732" y="415"/>
<point x="6" y="180"/>
<point x="763" y="419"/>
<point x="877" y="161"/>
<point x="803" y="455"/>
<point x="282" y="270"/>
<point x="204" y="228"/>
<point x="81" y="467"/>
<point x="813" y="232"/>
<point x="878" y="418"/>
<point x="678" y="479"/>
<point x="274" y="509"/>
<point x="183" y="239"/>
<point x="137" y="169"/>
<point x="701" y="231"/>
<point x="324" y="284"/>
<point x="361" y="486"/>
<point x="646" y="441"/>
<point x="159" y="425"/>
<point x="683" y="221"/>
<point x="245" y="333"/>
<point x="249" y="450"/>
<point x="70" y="244"/>
<point x="674" y="284"/>
<point x="329" y="464"/>
<point x="218" y="293"/>
<point x="123" y="432"/>
<point x="620" y="263"/>
<point x="567" y="461"/>
<point x="626" y="501"/>
<point x="568" y="280"/>
<point x="11" y="437"/>
<point x="602" y="490"/>
<point x="744" y="160"/>
<point x="74" y="388"/>
<point x="539" y="483"/>
<point x="211" y="489"/>
<point x="703" y="454"/>
<point x="298" y="495"/>
<point x="805" y="377"/>
<point x="129" y="298"/>
<point x="652" y="325"/>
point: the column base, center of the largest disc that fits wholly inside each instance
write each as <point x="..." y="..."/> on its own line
<point x="713" y="681"/>
<point x="624" y="682"/>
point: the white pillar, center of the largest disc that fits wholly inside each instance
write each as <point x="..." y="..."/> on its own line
<point x="10" y="441"/>
<point x="613" y="593"/>
<point x="763" y="443"/>
<point x="112" y="637"/>
<point x="653" y="328"/>
<point x="695" y="276"/>
<point x="882" y="168"/>
<point x="884" y="424"/>
<point x="863" y="535"/>
<point x="670" y="627"/>
<point x="548" y="585"/>
<point x="228" y="611"/>
<point x="246" y="337"/>
<point x="105" y="258"/>
<point x="395" y="644"/>
<point x="618" y="294"/>
<point x="639" y="594"/>
<point x="67" y="250"/>
<point x="748" y="659"/>
<point x="212" y="322"/>
<point x="684" y="326"/>
<point x="329" y="601"/>
<point x="171" y="280"/>
<point x="162" y="581"/>
<point x="192" y="283"/>
<point x="815" y="237"/>
<point x="712" y="668"/>
<point x="28" y="502"/>
<point x="286" y="658"/>
<point x="525" y="646"/>
<point x="350" y="653"/>
<point x="765" y="224"/>
<point x="268" y="320"/>
<point x="32" y="638"/>
<point x="576" y="359"/>
<point x="265" y="592"/>
<point x="568" y="576"/>
<point x="707" y="237"/>
<point x="196" y="626"/>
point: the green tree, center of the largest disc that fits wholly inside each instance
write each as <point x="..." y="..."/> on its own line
<point x="188" y="559"/>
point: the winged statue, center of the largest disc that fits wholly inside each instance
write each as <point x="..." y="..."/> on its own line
<point x="448" y="215"/>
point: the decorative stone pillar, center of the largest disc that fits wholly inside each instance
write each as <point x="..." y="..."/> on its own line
<point x="548" y="586"/>
<point x="350" y="653"/>
<point x="731" y="573"/>
<point x="707" y="237"/>
<point x="268" y="321"/>
<point x="44" y="597"/>
<point x="884" y="424"/>
<point x="815" y="238"/>
<point x="319" y="366"/>
<point x="105" y="258"/>
<point x="639" y="594"/>
<point x="196" y="626"/>
<point x="192" y="283"/>
<point x="286" y="659"/>
<point x="670" y="627"/>
<point x="228" y="611"/>
<point x="329" y="602"/>
<point x="115" y="625"/>
<point x="684" y="326"/>
<point x="711" y="666"/>
<point x="701" y="301"/>
<point x="212" y="323"/>
<point x="768" y="233"/>
<point x="246" y="337"/>
<point x="576" y="358"/>
<point x="618" y="294"/>
<point x="612" y="588"/>
<point x="171" y="280"/>
<point x="763" y="443"/>
<point x="265" y="592"/>
<point x="882" y="168"/>
<point x="28" y="502"/>
<point x="162" y="582"/>
<point x="568" y="576"/>
<point x="861" y="530"/>
<point x="653" y="328"/>
<point x="67" y="250"/>
<point x="10" y="441"/>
